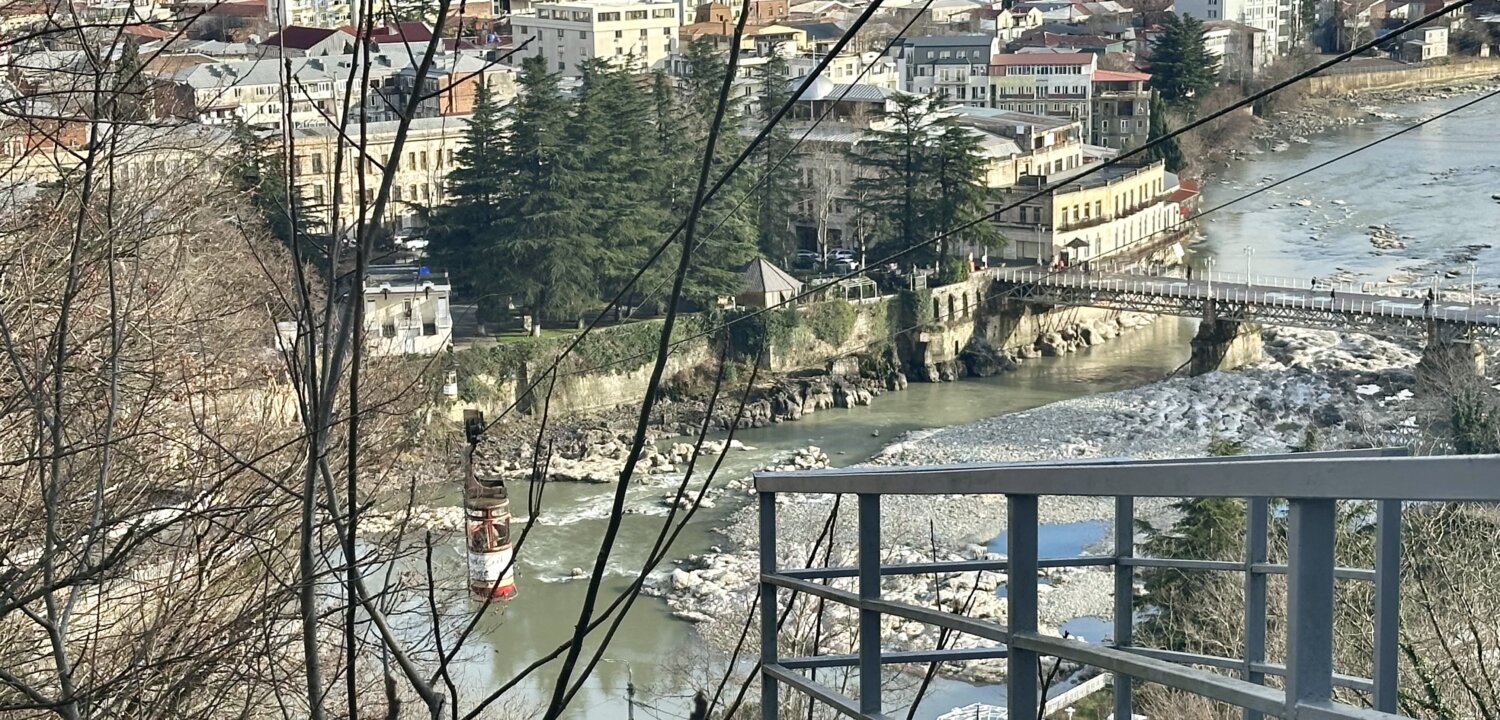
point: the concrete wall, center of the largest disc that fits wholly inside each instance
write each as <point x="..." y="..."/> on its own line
<point x="1225" y="345"/>
<point x="1334" y="84"/>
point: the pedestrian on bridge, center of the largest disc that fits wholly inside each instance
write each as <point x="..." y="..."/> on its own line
<point x="1331" y="292"/>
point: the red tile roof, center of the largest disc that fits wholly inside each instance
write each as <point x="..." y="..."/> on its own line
<point x="1042" y="59"/>
<point x="299" y="37"/>
<point x="1117" y="76"/>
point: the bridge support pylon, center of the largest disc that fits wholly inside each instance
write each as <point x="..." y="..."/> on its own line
<point x="1223" y="344"/>
<point x="1450" y="355"/>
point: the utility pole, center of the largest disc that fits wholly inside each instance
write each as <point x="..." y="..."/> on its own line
<point x="629" y="694"/>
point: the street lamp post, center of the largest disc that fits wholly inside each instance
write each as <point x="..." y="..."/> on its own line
<point x="1472" y="294"/>
<point x="1209" y="275"/>
<point x="1248" y="252"/>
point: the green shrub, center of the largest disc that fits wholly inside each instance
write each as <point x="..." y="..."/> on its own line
<point x="953" y="270"/>
<point x="832" y="321"/>
<point x="748" y="330"/>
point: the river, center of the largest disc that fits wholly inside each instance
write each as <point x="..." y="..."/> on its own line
<point x="1432" y="185"/>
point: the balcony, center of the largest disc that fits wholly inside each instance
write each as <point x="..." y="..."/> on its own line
<point x="1312" y="483"/>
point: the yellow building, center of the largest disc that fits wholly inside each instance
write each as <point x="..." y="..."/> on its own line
<point x="430" y="152"/>
<point x="1119" y="211"/>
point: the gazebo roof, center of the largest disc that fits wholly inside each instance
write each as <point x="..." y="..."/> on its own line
<point x="762" y="276"/>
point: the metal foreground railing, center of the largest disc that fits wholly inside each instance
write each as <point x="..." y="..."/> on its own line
<point x="1311" y="482"/>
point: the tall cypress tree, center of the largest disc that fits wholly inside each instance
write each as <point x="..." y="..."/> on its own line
<point x="1168" y="150"/>
<point x="461" y="232"/>
<point x="1182" y="70"/>
<point x="532" y="244"/>
<point x="256" y="167"/>
<point x="959" y="174"/>
<point x="130" y="101"/>
<point x="614" y="146"/>
<point x="777" y="196"/>
<point x="893" y="193"/>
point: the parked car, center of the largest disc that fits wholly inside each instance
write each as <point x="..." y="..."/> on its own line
<point x="805" y="259"/>
<point x="843" y="265"/>
<point x="842" y="254"/>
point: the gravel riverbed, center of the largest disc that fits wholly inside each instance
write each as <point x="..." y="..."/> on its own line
<point x="1351" y="390"/>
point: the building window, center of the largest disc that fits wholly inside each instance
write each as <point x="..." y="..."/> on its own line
<point x="609" y="17"/>
<point x="635" y="15"/>
<point x="396" y="193"/>
<point x="561" y="66"/>
<point x="559" y="33"/>
<point x="663" y="12"/>
<point x="423" y="158"/>
<point x="666" y="48"/>
<point x="619" y="34"/>
<point x="583" y="34"/>
<point x="667" y="32"/>
<point x="643" y="33"/>
<point x="619" y="51"/>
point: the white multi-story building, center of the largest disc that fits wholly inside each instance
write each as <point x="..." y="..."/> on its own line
<point x="406" y="310"/>
<point x="1272" y="16"/>
<point x="570" y="34"/>
<point x="1044" y="83"/>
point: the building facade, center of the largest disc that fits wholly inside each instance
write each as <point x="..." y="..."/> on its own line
<point x="568" y="35"/>
<point x="406" y="310"/>
<point x="429" y="154"/>
<point x="1116" y="212"/>
<point x="952" y="67"/>
<point x="1272" y="16"/>
<point x="1121" y="113"/>
<point x="1044" y="83"/>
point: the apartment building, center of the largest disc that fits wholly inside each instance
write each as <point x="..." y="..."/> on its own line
<point x="1043" y="83"/>
<point x="430" y="152"/>
<point x="1120" y="210"/>
<point x="952" y="67"/>
<point x="1243" y="51"/>
<point x="215" y="93"/>
<point x="1272" y="16"/>
<point x="1121" y="113"/>
<point x="406" y="310"/>
<point x="569" y="35"/>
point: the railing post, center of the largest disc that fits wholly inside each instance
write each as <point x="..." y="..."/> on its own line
<point x="1124" y="595"/>
<point x="1387" y="602"/>
<point x="1309" y="629"/>
<point x="869" y="589"/>
<point x="1021" y="698"/>
<point x="1255" y="594"/>
<point x="768" y="652"/>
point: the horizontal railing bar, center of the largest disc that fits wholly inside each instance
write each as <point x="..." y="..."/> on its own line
<point x="818" y="691"/>
<point x="1186" y="658"/>
<point x="897" y="657"/>
<point x="1343" y="573"/>
<point x="1162" y="672"/>
<point x="1338" y="711"/>
<point x="946" y="567"/>
<point x="828" y="592"/>
<point x="1430" y="478"/>
<point x="961" y="623"/>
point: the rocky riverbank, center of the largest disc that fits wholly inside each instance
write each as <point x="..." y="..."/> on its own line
<point x="1317" y="115"/>
<point x="1340" y="391"/>
<point x="593" y="448"/>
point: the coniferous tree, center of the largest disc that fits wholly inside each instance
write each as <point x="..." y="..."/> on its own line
<point x="727" y="230"/>
<point x="1168" y="150"/>
<point x="893" y="193"/>
<point x="129" y="101"/>
<point x="612" y="142"/>
<point x="536" y="246"/>
<point x="959" y="174"/>
<point x="257" y="168"/>
<point x="924" y="175"/>
<point x="1185" y="607"/>
<point x="777" y="196"/>
<point x="1182" y="70"/>
<point x="461" y="232"/>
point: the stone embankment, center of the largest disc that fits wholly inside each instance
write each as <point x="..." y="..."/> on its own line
<point x="1341" y="391"/>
